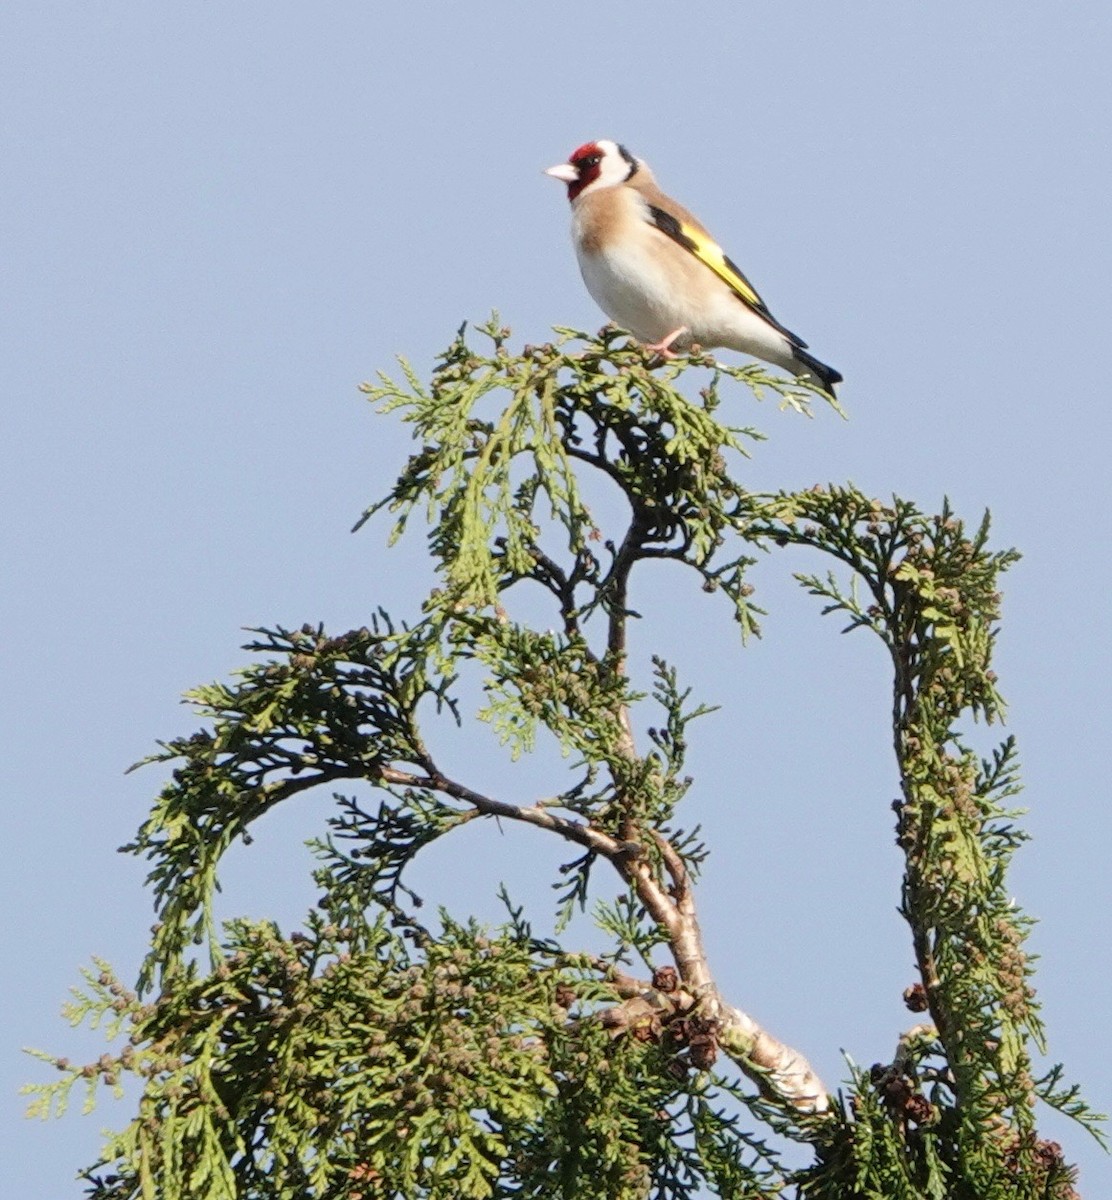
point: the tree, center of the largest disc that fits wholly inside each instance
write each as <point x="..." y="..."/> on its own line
<point x="374" y="1055"/>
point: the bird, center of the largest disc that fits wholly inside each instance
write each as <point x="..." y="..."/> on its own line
<point x="656" y="271"/>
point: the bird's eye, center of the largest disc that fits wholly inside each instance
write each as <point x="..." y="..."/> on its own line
<point x="592" y="160"/>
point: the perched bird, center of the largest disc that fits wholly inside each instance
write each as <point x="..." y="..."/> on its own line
<point x="653" y="269"/>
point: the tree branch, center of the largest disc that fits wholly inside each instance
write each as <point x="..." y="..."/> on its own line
<point x="782" y="1073"/>
<point x="533" y="814"/>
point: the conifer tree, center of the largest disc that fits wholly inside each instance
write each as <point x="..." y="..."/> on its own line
<point x="378" y="1053"/>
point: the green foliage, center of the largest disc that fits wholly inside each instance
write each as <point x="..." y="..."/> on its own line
<point x="899" y="1137"/>
<point x="306" y="1067"/>
<point x="370" y="1056"/>
<point x="478" y="482"/>
<point x="330" y="708"/>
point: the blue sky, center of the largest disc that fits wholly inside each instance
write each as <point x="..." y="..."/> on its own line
<point x="217" y="220"/>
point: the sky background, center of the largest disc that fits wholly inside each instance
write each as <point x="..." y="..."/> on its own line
<point x="218" y="219"/>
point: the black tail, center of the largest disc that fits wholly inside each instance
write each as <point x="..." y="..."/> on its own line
<point x="823" y="375"/>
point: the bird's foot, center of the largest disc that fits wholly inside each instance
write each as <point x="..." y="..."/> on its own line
<point x="663" y="347"/>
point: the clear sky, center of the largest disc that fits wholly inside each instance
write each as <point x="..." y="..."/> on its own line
<point x="216" y="220"/>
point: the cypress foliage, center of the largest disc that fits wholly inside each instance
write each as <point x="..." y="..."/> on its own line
<point x="370" y="1055"/>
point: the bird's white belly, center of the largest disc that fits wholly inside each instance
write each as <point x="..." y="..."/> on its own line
<point x="633" y="292"/>
<point x="638" y="292"/>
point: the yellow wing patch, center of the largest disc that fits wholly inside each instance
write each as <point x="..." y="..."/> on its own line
<point x="711" y="254"/>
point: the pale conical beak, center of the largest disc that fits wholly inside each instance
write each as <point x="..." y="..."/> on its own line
<point x="564" y="172"/>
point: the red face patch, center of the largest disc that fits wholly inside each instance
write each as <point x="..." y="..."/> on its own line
<point x="585" y="160"/>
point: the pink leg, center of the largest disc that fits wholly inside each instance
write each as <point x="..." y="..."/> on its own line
<point x="662" y="347"/>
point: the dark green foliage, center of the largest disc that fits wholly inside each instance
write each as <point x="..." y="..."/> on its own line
<point x="304" y="1067"/>
<point x="371" y="1056"/>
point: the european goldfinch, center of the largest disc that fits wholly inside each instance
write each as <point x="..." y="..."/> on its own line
<point x="654" y="270"/>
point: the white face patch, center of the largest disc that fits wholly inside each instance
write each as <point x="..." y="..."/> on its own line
<point x="612" y="170"/>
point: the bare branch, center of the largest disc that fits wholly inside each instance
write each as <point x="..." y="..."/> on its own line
<point x="533" y="814"/>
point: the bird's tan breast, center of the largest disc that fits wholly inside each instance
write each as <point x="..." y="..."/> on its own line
<point x="637" y="275"/>
<point x="604" y="218"/>
<point x="614" y="225"/>
<point x="648" y="283"/>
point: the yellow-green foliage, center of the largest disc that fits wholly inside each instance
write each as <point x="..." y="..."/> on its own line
<point x="372" y="1056"/>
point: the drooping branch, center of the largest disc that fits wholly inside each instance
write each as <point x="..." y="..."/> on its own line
<point x="782" y="1073"/>
<point x="537" y="815"/>
<point x="373" y="1054"/>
